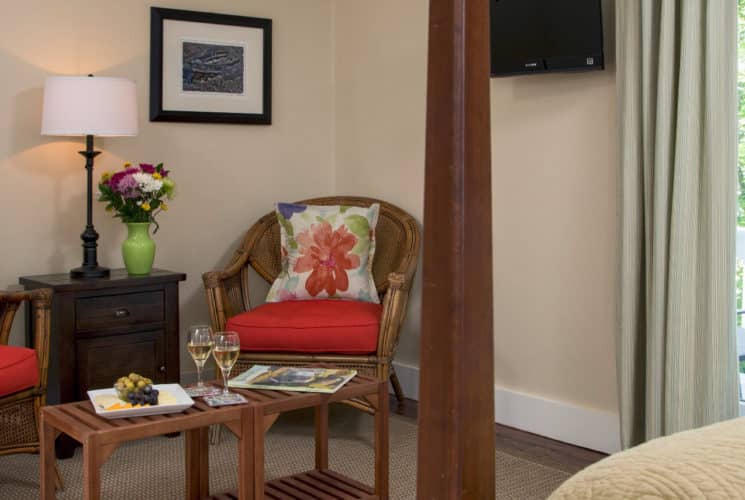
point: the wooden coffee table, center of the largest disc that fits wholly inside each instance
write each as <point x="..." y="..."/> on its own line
<point x="249" y="422"/>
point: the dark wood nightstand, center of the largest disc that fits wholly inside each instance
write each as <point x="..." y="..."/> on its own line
<point x="105" y="328"/>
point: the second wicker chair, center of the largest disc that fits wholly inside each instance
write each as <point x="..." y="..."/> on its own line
<point x="394" y="266"/>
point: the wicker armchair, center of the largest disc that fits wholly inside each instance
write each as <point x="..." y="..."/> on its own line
<point x="397" y="248"/>
<point x="19" y="412"/>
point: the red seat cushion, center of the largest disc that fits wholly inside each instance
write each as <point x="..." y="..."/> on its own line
<point x="309" y="326"/>
<point x="18" y="369"/>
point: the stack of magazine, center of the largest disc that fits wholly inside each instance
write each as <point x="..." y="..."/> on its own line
<point x="286" y="378"/>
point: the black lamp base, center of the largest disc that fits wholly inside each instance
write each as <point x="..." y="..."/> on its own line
<point x="90" y="268"/>
<point x="89" y="272"/>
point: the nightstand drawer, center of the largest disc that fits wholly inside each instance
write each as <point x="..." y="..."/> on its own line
<point x="110" y="311"/>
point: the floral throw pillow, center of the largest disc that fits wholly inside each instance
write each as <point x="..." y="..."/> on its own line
<point x="327" y="252"/>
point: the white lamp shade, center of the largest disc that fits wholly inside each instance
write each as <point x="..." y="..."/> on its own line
<point x="83" y="105"/>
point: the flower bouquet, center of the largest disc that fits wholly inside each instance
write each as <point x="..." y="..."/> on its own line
<point x="137" y="195"/>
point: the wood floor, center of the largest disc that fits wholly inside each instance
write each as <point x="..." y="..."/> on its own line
<point x="538" y="449"/>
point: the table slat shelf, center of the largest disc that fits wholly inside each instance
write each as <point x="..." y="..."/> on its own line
<point x="315" y="484"/>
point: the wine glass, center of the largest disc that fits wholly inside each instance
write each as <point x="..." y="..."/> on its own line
<point x="226" y="350"/>
<point x="200" y="345"/>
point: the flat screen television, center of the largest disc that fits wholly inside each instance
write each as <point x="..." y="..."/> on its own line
<point x="540" y="36"/>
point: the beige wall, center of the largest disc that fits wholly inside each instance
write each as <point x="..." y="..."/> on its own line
<point x="554" y="184"/>
<point x="227" y="175"/>
<point x="380" y="109"/>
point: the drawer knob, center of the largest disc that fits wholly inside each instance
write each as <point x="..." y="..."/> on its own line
<point x="162" y="369"/>
<point x="121" y="313"/>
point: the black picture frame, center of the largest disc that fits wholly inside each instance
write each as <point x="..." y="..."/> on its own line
<point x="157" y="114"/>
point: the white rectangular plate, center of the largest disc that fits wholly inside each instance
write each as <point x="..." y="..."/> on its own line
<point x="183" y="401"/>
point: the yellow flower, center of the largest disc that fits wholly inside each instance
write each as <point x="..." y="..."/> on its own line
<point x="146" y="206"/>
<point x="163" y="206"/>
<point x="127" y="164"/>
<point x="156" y="175"/>
<point x="106" y="176"/>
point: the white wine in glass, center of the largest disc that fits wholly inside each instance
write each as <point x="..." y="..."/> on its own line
<point x="199" y="352"/>
<point x="200" y="345"/>
<point x="226" y="350"/>
<point x="226" y="357"/>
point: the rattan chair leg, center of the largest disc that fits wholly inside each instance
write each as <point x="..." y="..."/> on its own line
<point x="397" y="389"/>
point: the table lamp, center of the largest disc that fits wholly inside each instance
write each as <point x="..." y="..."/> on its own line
<point x="89" y="106"/>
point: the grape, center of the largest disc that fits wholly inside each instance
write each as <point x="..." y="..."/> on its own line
<point x="136" y="389"/>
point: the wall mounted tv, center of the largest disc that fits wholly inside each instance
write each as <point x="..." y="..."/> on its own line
<point x="540" y="36"/>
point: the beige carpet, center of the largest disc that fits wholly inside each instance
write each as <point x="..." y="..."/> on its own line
<point x="153" y="468"/>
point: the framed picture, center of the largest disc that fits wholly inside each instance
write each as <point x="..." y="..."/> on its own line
<point x="212" y="68"/>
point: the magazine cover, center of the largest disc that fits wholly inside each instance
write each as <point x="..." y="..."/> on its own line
<point x="286" y="378"/>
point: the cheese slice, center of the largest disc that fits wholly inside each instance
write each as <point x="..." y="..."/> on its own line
<point x="105" y="401"/>
<point x="166" y="398"/>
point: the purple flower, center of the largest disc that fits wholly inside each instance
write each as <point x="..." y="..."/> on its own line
<point x="288" y="209"/>
<point x="147" y="168"/>
<point x="117" y="177"/>
<point x="128" y="187"/>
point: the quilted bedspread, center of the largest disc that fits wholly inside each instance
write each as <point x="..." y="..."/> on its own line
<point x="706" y="463"/>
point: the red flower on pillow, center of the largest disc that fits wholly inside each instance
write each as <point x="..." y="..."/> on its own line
<point x="325" y="253"/>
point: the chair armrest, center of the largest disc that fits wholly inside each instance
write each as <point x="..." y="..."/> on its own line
<point x="215" y="292"/>
<point x="213" y="280"/>
<point x="394" y="312"/>
<point x="225" y="297"/>
<point x="225" y="291"/>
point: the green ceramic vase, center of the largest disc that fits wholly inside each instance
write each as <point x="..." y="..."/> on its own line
<point x="138" y="249"/>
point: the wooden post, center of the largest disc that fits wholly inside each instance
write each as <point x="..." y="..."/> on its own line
<point x="456" y="409"/>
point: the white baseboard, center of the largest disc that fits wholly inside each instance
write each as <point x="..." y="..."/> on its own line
<point x="593" y="429"/>
<point x="586" y="427"/>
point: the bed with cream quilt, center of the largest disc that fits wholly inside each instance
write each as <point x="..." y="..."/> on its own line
<point x="706" y="463"/>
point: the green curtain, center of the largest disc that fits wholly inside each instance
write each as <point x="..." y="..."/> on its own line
<point x="677" y="89"/>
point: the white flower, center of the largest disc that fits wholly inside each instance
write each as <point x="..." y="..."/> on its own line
<point x="147" y="183"/>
